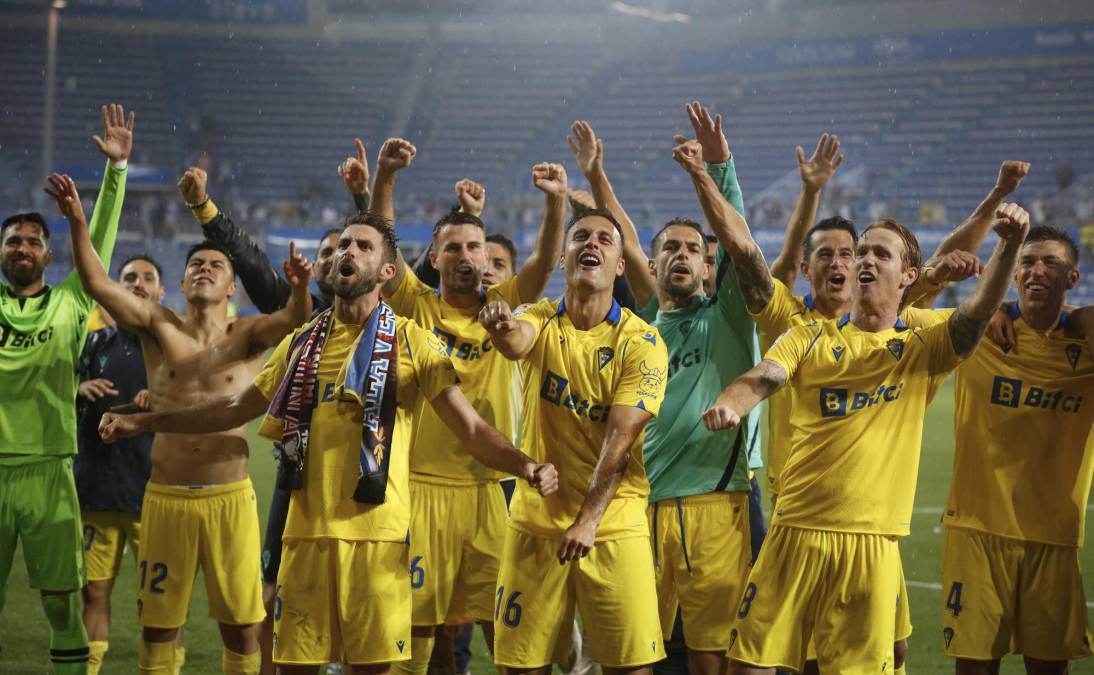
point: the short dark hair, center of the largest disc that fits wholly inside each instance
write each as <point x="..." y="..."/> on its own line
<point x="28" y="217"/>
<point x="598" y="213"/>
<point x="710" y="238"/>
<point x="912" y="256"/>
<point x="146" y="258"/>
<point x="833" y="223"/>
<point x="457" y="217"/>
<point x="209" y="245"/>
<point x="686" y="222"/>
<point x="1053" y="233"/>
<point x="506" y="243"/>
<point x="381" y="225"/>
<point x="333" y="230"/>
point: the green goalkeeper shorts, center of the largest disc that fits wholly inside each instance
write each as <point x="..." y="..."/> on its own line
<point x="38" y="505"/>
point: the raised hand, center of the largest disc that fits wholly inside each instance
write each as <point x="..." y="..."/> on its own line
<point x="720" y="417"/>
<point x="954" y="266"/>
<point x="689" y="154"/>
<point x="1011" y="174"/>
<point x="818" y="169"/>
<point x="708" y="131"/>
<point x="576" y="542"/>
<point x="588" y="149"/>
<point x="63" y="190"/>
<point x="396" y="154"/>
<point x="543" y="477"/>
<point x="496" y="317"/>
<point x="117" y="139"/>
<point x="1000" y="330"/>
<point x="354" y="171"/>
<point x="297" y="268"/>
<point x="550" y="179"/>
<point x="113" y="426"/>
<point x="192" y="186"/>
<point x="472" y="196"/>
<point x="1011" y="223"/>
<point x="581" y="200"/>
<point x="95" y="389"/>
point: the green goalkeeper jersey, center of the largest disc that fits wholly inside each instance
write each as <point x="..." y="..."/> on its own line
<point x="41" y="337"/>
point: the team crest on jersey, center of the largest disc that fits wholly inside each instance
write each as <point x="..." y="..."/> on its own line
<point x="650" y="337"/>
<point x="837" y="352"/>
<point x="1073" y="352"/>
<point x="604" y="356"/>
<point x="895" y="347"/>
<point x="948" y="635"/>
<point x="652" y="379"/>
<point x="400" y="644"/>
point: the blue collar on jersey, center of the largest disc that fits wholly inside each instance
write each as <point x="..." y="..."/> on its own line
<point x="807" y="300"/>
<point x="482" y="293"/>
<point x="1015" y="313"/>
<point x="846" y="319"/>
<point x="614" y="314"/>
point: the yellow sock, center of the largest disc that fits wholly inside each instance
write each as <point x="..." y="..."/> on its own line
<point x="97" y="649"/>
<point x="241" y="664"/>
<point x="421" y="648"/>
<point x="900" y="670"/>
<point x="156" y="658"/>
<point x="180" y="658"/>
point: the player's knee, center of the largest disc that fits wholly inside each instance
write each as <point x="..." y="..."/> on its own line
<point x="96" y="594"/>
<point x="900" y="653"/>
<point x="1039" y="667"/>
<point x="241" y="639"/>
<point x="62" y="610"/>
<point x="423" y="631"/>
<point x="159" y="634"/>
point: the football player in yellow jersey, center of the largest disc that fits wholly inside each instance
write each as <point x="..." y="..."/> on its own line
<point x="342" y="588"/>
<point x="595" y="375"/>
<point x="860" y="386"/>
<point x="459" y="511"/>
<point x="1022" y="473"/>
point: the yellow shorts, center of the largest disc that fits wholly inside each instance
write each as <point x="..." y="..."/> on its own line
<point x="106" y="534"/>
<point x="342" y="601"/>
<point x="613" y="588"/>
<point x="1004" y="595"/>
<point x="701" y="554"/>
<point x="213" y="528"/>
<point x="828" y="585"/>
<point x="456" y="535"/>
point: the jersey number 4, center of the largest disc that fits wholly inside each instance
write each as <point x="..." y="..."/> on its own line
<point x="953" y="600"/>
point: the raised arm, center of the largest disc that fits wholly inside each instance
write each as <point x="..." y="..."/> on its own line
<point x="512" y="337"/>
<point x="967" y="324"/>
<point x="625" y="424"/>
<point x="537" y="268"/>
<point x="395" y="155"/>
<point x="744" y="394"/>
<point x="116" y="143"/>
<point x="815" y="174"/>
<point x="471" y="196"/>
<point x="220" y="413"/>
<point x="757" y="285"/>
<point x="127" y="309"/>
<point x="589" y="153"/>
<point x="354" y="173"/>
<point x="487" y="445"/>
<point x="264" y="286"/>
<point x="268" y="329"/>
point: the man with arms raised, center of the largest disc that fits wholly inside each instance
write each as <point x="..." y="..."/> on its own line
<point x="458" y="507"/>
<point x="199" y="506"/>
<point x="42" y="330"/>
<point x="1022" y="471"/>
<point x="860" y="386"/>
<point x="699" y="484"/>
<point x="339" y="396"/>
<point x="595" y="375"/>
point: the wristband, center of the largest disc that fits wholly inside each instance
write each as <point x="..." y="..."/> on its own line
<point x="120" y="165"/>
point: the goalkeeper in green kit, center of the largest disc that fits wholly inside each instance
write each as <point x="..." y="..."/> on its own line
<point x="42" y="330"/>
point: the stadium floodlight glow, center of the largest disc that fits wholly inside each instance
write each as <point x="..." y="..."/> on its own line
<point x="644" y="13"/>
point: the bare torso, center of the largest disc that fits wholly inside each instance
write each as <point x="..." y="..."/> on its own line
<point x="185" y="366"/>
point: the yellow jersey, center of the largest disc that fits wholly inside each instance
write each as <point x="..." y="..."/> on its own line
<point x="1023" y="454"/>
<point x="857" y="405"/>
<point x="574" y="378"/>
<point x="324" y="506"/>
<point x="784" y="311"/>
<point x="488" y="379"/>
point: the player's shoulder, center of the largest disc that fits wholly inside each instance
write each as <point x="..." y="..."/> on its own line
<point x="506" y="290"/>
<point x="918" y="317"/>
<point x="544" y="307"/>
<point x="415" y="337"/>
<point x="632" y="329"/>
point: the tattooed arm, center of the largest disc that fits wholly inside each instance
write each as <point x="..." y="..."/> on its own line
<point x="744" y="394"/>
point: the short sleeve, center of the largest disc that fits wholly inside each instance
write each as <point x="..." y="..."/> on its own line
<point x="917" y="317"/>
<point x="774" y="318"/>
<point x="269" y="378"/>
<point x="433" y="370"/>
<point x="645" y="373"/>
<point x="789" y="349"/>
<point x="940" y="352"/>
<point x="537" y="314"/>
<point x="506" y="290"/>
<point x="406" y="295"/>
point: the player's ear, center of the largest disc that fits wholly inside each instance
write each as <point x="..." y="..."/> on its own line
<point x="231" y="288"/>
<point x="804" y="267"/>
<point x="1072" y="278"/>
<point x="386" y="273"/>
<point x="48" y="257"/>
<point x="652" y="265"/>
<point x="620" y="265"/>
<point x="159" y="294"/>
<point x="910" y="275"/>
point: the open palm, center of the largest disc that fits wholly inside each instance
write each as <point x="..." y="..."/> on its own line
<point x="117" y="139"/>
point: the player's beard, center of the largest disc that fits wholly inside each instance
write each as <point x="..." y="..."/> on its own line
<point x="351" y="290"/>
<point x="21" y="276"/>
<point x="679" y="291"/>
